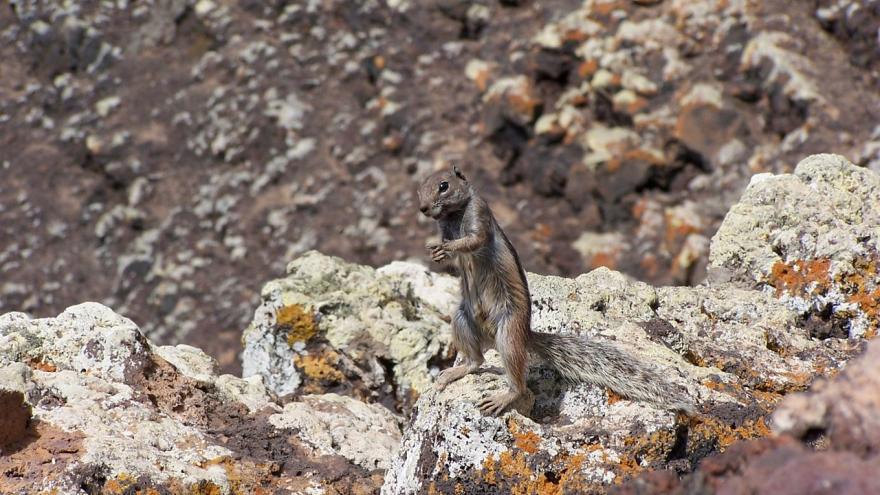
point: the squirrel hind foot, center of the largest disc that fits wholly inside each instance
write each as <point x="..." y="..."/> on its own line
<point x="450" y="375"/>
<point x="496" y="404"/>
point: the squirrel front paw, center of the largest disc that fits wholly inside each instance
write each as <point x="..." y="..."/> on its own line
<point x="438" y="251"/>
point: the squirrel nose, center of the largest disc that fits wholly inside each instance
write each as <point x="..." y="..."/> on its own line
<point x="424" y="209"/>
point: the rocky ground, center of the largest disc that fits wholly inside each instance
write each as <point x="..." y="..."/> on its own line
<point x="164" y="157"/>
<point x="339" y="360"/>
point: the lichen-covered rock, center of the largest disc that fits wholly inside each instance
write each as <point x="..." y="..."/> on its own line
<point x="813" y="239"/>
<point x="88" y="336"/>
<point x="331" y="325"/>
<point x="332" y="423"/>
<point x="736" y="351"/>
<point x="826" y="440"/>
<point x="90" y="405"/>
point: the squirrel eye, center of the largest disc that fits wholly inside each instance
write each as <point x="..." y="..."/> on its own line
<point x="444" y="186"/>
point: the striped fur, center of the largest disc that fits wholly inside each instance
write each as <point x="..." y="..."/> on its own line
<point x="580" y="359"/>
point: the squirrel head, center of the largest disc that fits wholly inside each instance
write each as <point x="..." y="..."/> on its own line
<point x="444" y="193"/>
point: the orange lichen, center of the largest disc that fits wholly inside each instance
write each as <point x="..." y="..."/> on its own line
<point x="205" y="488"/>
<point x="39" y="364"/>
<point x="806" y="278"/>
<point x="734" y="389"/>
<point x="603" y="259"/>
<point x="628" y="468"/>
<point x="320" y="367"/>
<point x="639" y="208"/>
<point x="869" y="303"/>
<point x="677" y="228"/>
<point x="630" y="106"/>
<point x="575" y="35"/>
<point x="527" y="441"/>
<point x="587" y="68"/>
<point x="517" y="478"/>
<point x="694" y="358"/>
<point x="542" y="232"/>
<point x="652" y="447"/>
<point x="613" y="397"/>
<point x="606" y="7"/>
<point x="801" y="277"/>
<point x="724" y="435"/>
<point x="481" y="79"/>
<point x="243" y="477"/>
<point x="524" y="103"/>
<point x="488" y="474"/>
<point x="119" y="484"/>
<point x="798" y="380"/>
<point x="298" y="322"/>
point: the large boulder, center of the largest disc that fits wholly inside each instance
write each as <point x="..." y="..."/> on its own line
<point x="735" y="351"/>
<point x="333" y="326"/>
<point x="91" y="406"/>
<point x="812" y="238"/>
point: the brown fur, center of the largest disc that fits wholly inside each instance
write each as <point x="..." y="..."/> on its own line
<point x="495" y="308"/>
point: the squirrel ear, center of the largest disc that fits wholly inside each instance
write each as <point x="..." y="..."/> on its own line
<point x="458" y="173"/>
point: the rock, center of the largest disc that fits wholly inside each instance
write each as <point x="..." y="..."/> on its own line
<point x="190" y="361"/>
<point x="16" y="414"/>
<point x="331" y="324"/>
<point x="811" y="238"/>
<point x="513" y="100"/>
<point x="89" y="402"/>
<point x="711" y="341"/>
<point x="88" y="336"/>
<point x="353" y="352"/>
<point x="332" y="423"/>
<point x="826" y="437"/>
<point x="736" y="349"/>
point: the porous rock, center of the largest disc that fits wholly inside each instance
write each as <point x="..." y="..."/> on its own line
<point x="826" y="441"/>
<point x="90" y="405"/>
<point x="813" y="238"/>
<point x="711" y="341"/>
<point x="332" y="324"/>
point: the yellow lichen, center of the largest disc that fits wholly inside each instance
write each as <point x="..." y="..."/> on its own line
<point x="298" y="322"/>
<point x="119" y="484"/>
<point x="517" y="478"/>
<point x="724" y="434"/>
<point x="320" y="366"/>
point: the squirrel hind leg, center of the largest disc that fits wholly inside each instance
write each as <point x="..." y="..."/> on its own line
<point x="466" y="340"/>
<point x="511" y="342"/>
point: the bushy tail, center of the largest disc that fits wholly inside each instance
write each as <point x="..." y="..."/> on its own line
<point x="581" y="359"/>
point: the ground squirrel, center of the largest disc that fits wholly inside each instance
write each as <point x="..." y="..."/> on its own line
<point x="495" y="309"/>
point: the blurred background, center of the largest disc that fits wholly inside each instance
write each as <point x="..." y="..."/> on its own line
<point x="169" y="157"/>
